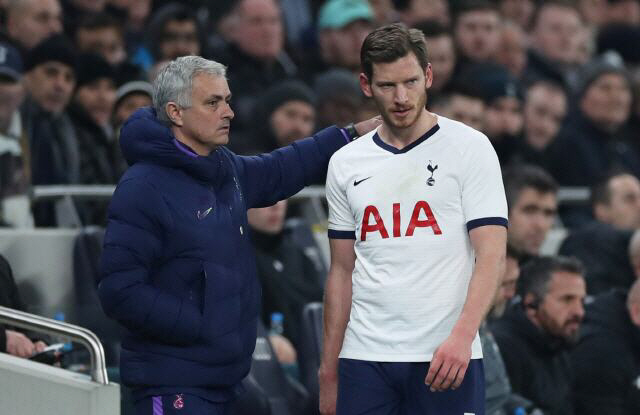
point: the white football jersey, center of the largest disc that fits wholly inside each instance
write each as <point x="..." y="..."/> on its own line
<point x="410" y="212"/>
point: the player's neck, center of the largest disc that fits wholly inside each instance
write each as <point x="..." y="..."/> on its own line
<point x="402" y="137"/>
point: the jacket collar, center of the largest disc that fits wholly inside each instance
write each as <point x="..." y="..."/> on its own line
<point x="144" y="138"/>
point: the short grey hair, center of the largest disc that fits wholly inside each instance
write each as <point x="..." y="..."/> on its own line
<point x="174" y="82"/>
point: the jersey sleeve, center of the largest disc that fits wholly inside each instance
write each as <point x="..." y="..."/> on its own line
<point x="483" y="198"/>
<point x="341" y="221"/>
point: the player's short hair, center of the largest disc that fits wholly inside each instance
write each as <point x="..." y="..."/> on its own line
<point x="600" y="191"/>
<point x="389" y="43"/>
<point x="174" y="82"/>
<point x="536" y="274"/>
<point x="521" y="177"/>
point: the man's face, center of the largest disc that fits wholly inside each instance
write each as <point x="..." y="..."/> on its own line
<point x="97" y="98"/>
<point x="507" y="287"/>
<point x="530" y="219"/>
<point x="467" y="110"/>
<point x="206" y="124"/>
<point x="268" y="220"/>
<point x="544" y="110"/>
<point x="607" y="101"/>
<point x="259" y="32"/>
<point x="35" y="21"/>
<point x="561" y="310"/>
<point x="503" y="117"/>
<point x="477" y="34"/>
<point x="513" y="49"/>
<point x="399" y="89"/>
<point x="11" y="97"/>
<point x="623" y="210"/>
<point x="128" y="105"/>
<point x="291" y="121"/>
<point x="106" y="41"/>
<point x="341" y="47"/>
<point x="442" y="57"/>
<point x="50" y="85"/>
<point x="557" y="32"/>
<point x="420" y="10"/>
<point x="625" y="12"/>
<point x="179" y="38"/>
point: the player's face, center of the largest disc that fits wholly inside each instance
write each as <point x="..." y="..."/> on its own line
<point x="530" y="219"/>
<point x="399" y="90"/>
<point x="561" y="311"/>
<point x="206" y="124"/>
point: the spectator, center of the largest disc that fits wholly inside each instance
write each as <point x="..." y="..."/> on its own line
<point x="129" y="97"/>
<point x="531" y="197"/>
<point x="339" y="98"/>
<point x="441" y="52"/>
<point x="503" y="98"/>
<point x="174" y="32"/>
<point x="545" y="108"/>
<point x="14" y="177"/>
<point x="611" y="329"/>
<point x="602" y="245"/>
<point x="555" y="40"/>
<point x="500" y="400"/>
<point x="384" y="11"/>
<point x="462" y="104"/>
<point x="535" y="334"/>
<point x="616" y="201"/>
<point x="476" y="30"/>
<point x="413" y="11"/>
<point x="73" y="11"/>
<point x="102" y="34"/>
<point x="595" y="134"/>
<point x="31" y="21"/>
<point x="50" y="80"/>
<point x="518" y="11"/>
<point x="342" y="27"/>
<point x="255" y="54"/>
<point x="289" y="278"/>
<point x="283" y="114"/>
<point x="512" y="53"/>
<point x="622" y="38"/>
<point x="90" y="113"/>
<point x="13" y="341"/>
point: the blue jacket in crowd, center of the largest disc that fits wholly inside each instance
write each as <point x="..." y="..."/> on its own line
<point x="178" y="270"/>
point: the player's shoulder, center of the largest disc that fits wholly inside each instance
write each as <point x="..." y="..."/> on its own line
<point x="353" y="149"/>
<point x="461" y="135"/>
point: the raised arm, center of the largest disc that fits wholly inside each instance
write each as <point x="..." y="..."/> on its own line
<point x="451" y="359"/>
<point x="337" y="306"/>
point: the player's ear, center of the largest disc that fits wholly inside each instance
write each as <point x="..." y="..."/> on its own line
<point x="174" y="112"/>
<point x="365" y="85"/>
<point x="428" y="74"/>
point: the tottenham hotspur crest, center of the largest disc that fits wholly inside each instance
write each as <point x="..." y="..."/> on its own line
<point x="431" y="181"/>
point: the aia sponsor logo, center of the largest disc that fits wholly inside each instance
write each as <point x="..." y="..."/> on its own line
<point x="373" y="222"/>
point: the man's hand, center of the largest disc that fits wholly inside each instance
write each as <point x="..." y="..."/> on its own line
<point x="19" y="345"/>
<point x="364" y="127"/>
<point x="449" y="363"/>
<point x="328" y="381"/>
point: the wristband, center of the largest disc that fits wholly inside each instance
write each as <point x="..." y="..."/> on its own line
<point x="351" y="131"/>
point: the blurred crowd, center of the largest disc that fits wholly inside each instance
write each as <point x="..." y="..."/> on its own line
<point x="555" y="85"/>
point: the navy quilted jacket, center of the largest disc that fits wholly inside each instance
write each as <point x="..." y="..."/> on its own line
<point x="178" y="270"/>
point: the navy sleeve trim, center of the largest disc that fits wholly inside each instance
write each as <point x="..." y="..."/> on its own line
<point x="333" y="234"/>
<point x="472" y="224"/>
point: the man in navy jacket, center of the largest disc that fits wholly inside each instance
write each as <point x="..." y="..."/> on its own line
<point x="178" y="270"/>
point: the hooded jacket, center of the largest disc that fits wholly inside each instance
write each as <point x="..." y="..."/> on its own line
<point x="178" y="271"/>
<point x="537" y="364"/>
<point x="607" y="359"/>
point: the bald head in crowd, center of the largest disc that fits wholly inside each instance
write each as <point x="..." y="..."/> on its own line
<point x="31" y="21"/>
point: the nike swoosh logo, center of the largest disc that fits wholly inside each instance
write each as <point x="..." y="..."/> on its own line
<point x="203" y="214"/>
<point x="357" y="182"/>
